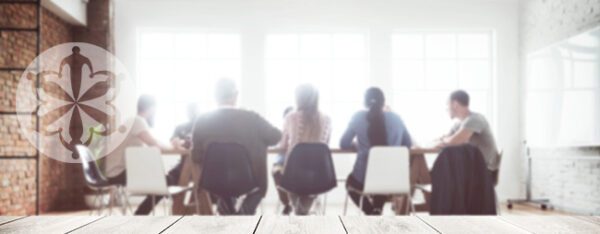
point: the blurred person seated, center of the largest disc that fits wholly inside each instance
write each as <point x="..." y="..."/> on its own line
<point x="304" y="125"/>
<point x="230" y="124"/>
<point x="139" y="135"/>
<point x="376" y="126"/>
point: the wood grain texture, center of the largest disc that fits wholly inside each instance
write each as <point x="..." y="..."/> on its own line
<point x="470" y="224"/>
<point x="47" y="224"/>
<point x="300" y="224"/>
<point x="593" y="219"/>
<point x="553" y="224"/>
<point x="385" y="224"/>
<point x="129" y="224"/>
<point x="214" y="224"/>
<point x="6" y="219"/>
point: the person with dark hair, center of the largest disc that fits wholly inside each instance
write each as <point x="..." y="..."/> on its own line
<point x="139" y="135"/>
<point x="277" y="173"/>
<point x="471" y="128"/>
<point x="372" y="127"/>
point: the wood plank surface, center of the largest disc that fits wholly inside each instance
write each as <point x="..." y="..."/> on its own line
<point x="470" y="224"/>
<point x="6" y="219"/>
<point x="129" y="224"/>
<point x="553" y="224"/>
<point x="593" y="219"/>
<point x="300" y="224"/>
<point x="385" y="224"/>
<point x="47" y="224"/>
<point x="214" y="224"/>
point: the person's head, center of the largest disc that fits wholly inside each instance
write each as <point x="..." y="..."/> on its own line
<point x="374" y="98"/>
<point x="226" y="92"/>
<point x="307" y="98"/>
<point x="193" y="110"/>
<point x="146" y="108"/>
<point x="458" y="104"/>
<point x="375" y="101"/>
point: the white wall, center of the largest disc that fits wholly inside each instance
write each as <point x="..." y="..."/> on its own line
<point x="377" y="17"/>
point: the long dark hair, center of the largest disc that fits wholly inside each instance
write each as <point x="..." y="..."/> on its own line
<point x="374" y="101"/>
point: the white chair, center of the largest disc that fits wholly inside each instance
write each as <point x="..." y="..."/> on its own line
<point x="388" y="173"/>
<point x="146" y="175"/>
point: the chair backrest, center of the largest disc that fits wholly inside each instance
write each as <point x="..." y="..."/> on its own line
<point x="227" y="170"/>
<point x="145" y="171"/>
<point x="388" y="171"/>
<point x="309" y="170"/>
<point x="91" y="172"/>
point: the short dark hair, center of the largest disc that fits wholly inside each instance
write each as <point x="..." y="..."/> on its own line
<point x="461" y="97"/>
<point x="145" y="102"/>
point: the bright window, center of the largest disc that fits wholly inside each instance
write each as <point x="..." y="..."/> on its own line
<point x="427" y="66"/>
<point x="179" y="68"/>
<point x="335" y="63"/>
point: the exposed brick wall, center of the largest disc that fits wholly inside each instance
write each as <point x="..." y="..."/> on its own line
<point x="61" y="184"/>
<point x="569" y="178"/>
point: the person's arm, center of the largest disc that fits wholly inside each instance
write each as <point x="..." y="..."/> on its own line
<point x="470" y="126"/>
<point x="462" y="136"/>
<point x="406" y="139"/>
<point x="284" y="142"/>
<point x="268" y="132"/>
<point x="149" y="140"/>
<point x="197" y="141"/>
<point x="346" y="143"/>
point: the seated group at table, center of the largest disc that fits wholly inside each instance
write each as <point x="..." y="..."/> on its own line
<point x="376" y="125"/>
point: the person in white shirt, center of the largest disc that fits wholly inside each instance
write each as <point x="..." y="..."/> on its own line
<point x="139" y="135"/>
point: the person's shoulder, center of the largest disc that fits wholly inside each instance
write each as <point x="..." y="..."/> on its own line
<point x="245" y="113"/>
<point x="477" y="117"/>
<point x="393" y="116"/>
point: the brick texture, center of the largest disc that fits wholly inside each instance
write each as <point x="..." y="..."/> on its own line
<point x="569" y="178"/>
<point x="61" y="185"/>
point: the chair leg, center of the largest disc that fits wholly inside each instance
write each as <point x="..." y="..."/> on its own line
<point x="169" y="208"/>
<point x="94" y="203"/>
<point x="360" y="204"/>
<point x="412" y="205"/>
<point x="123" y="198"/>
<point x="126" y="200"/>
<point x="110" y="200"/>
<point x="346" y="203"/>
<point x="196" y="202"/>
<point x="324" y="203"/>
<point x="153" y="207"/>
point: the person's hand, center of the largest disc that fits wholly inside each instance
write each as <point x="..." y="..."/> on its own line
<point x="439" y="146"/>
<point x="176" y="141"/>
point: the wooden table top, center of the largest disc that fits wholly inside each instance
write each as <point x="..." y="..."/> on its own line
<point x="296" y="224"/>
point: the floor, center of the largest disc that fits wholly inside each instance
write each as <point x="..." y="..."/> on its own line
<point x="296" y="224"/>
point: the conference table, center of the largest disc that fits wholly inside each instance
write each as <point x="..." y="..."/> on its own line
<point x="300" y="224"/>
<point x="419" y="175"/>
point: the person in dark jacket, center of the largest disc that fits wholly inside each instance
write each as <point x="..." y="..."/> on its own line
<point x="228" y="123"/>
<point x="460" y="184"/>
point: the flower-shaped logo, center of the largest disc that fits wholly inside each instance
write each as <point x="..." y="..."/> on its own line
<point x="81" y="96"/>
